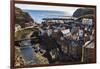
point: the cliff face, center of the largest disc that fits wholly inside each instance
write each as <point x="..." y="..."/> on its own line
<point x="22" y="17"/>
<point x="83" y="11"/>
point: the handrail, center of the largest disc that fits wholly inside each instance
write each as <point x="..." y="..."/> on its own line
<point x="83" y="47"/>
<point x="26" y="39"/>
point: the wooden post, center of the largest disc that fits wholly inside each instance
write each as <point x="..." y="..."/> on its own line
<point x="82" y="58"/>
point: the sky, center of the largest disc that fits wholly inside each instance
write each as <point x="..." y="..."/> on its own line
<point x="38" y="12"/>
